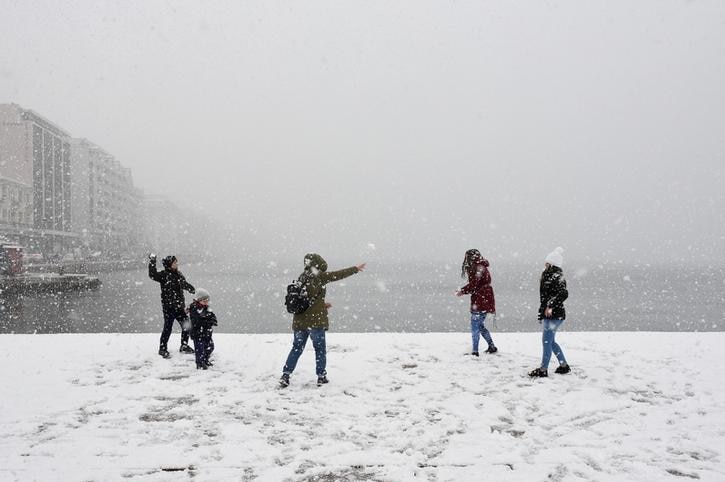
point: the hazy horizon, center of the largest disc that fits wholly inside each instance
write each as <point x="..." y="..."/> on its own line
<point x="374" y="131"/>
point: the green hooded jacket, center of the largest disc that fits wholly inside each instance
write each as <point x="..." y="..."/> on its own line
<point x="316" y="277"/>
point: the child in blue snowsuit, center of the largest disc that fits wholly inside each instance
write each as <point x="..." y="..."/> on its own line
<point x="202" y="322"/>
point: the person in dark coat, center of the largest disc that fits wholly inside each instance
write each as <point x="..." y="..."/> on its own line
<point x="483" y="303"/>
<point x="552" y="294"/>
<point x="314" y="322"/>
<point x="173" y="306"/>
<point x="203" y="321"/>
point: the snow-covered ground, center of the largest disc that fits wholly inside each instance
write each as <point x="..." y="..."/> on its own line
<point x="637" y="406"/>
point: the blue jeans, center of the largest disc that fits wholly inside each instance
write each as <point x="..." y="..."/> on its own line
<point x="298" y="346"/>
<point x="478" y="329"/>
<point x="547" y="338"/>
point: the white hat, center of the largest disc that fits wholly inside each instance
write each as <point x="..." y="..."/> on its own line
<point x="201" y="294"/>
<point x="555" y="258"/>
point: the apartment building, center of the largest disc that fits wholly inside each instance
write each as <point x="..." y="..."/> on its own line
<point x="58" y="193"/>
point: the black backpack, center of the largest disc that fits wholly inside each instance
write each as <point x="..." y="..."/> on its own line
<point x="297" y="300"/>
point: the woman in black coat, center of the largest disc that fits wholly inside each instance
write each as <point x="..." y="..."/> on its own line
<point x="173" y="284"/>
<point x="552" y="293"/>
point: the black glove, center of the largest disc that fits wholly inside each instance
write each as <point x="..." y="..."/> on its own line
<point x="152" y="257"/>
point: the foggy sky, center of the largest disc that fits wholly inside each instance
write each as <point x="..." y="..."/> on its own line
<point x="400" y="130"/>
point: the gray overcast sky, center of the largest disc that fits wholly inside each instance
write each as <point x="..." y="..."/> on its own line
<point x="422" y="128"/>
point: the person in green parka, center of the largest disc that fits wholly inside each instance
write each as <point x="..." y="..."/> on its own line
<point x="314" y="322"/>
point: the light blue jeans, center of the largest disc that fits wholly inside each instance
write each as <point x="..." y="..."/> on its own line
<point x="478" y="329"/>
<point x="298" y="345"/>
<point x="549" y="342"/>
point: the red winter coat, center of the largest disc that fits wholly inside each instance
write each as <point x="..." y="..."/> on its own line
<point x="480" y="289"/>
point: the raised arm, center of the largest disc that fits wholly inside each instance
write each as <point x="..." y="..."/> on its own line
<point x="330" y="276"/>
<point x="153" y="272"/>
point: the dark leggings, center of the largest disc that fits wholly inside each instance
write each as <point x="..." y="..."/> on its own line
<point x="203" y="347"/>
<point x="169" y="317"/>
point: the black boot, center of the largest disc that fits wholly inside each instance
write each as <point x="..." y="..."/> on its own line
<point x="474" y="353"/>
<point x="562" y="369"/>
<point x="164" y="352"/>
<point x="322" y="380"/>
<point x="202" y="366"/>
<point x="492" y="349"/>
<point x="539" y="372"/>
<point x="284" y="380"/>
<point x="185" y="348"/>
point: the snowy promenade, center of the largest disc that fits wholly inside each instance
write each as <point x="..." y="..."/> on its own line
<point x="637" y="406"/>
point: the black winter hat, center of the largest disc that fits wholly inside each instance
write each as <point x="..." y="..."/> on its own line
<point x="168" y="260"/>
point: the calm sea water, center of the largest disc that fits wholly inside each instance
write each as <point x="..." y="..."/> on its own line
<point x="403" y="298"/>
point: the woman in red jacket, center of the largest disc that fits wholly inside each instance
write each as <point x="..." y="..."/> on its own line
<point x="482" y="301"/>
